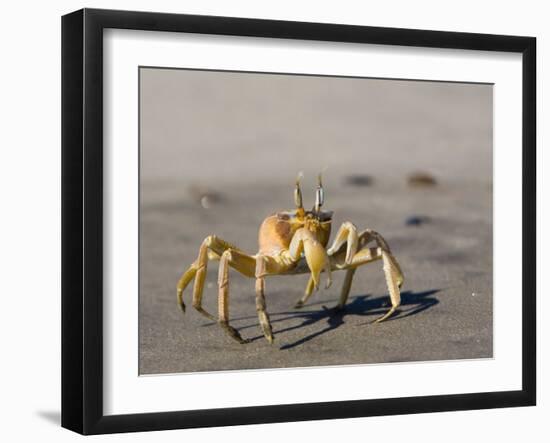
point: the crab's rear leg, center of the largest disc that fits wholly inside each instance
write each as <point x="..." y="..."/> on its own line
<point x="263" y="316"/>
<point x="200" y="276"/>
<point x="198" y="271"/>
<point x="184" y="280"/>
<point x="223" y="295"/>
<point x="216" y="246"/>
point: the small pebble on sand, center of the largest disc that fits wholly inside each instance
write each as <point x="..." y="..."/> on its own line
<point x="421" y="179"/>
<point x="205" y="197"/>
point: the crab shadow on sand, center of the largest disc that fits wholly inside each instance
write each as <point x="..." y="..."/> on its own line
<point x="412" y="303"/>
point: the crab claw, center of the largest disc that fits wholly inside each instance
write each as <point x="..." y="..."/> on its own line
<point x="317" y="260"/>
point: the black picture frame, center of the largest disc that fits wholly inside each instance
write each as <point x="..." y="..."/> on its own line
<point x="82" y="220"/>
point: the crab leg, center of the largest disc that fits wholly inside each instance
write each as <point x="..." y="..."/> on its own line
<point x="184" y="280"/>
<point x="368" y="235"/>
<point x="346" y="287"/>
<point x="223" y="296"/>
<point x="263" y="316"/>
<point x="392" y="271"/>
<point x="211" y="248"/>
<point x="200" y="276"/>
<point x="357" y="241"/>
<point x="346" y="234"/>
<point x="394" y="277"/>
<point x="392" y="280"/>
<point x="309" y="290"/>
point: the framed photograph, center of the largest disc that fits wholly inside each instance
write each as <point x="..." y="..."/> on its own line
<point x="269" y="221"/>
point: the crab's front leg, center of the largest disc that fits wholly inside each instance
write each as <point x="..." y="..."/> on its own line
<point x="347" y="234"/>
<point x="269" y="265"/>
<point x="303" y="242"/>
<point x="307" y="293"/>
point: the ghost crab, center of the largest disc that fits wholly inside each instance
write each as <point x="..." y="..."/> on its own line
<point x="292" y="242"/>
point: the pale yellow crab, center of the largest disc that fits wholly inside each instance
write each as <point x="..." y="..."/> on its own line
<point x="292" y="242"/>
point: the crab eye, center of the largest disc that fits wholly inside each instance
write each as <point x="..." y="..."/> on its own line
<point x="298" y="192"/>
<point x="319" y="198"/>
<point x="319" y="195"/>
<point x="298" y="196"/>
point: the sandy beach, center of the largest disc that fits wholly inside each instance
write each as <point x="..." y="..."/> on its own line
<point x="220" y="152"/>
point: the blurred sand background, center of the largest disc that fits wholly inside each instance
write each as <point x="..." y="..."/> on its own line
<point x="220" y="151"/>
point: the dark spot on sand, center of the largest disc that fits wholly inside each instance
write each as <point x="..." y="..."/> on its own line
<point x="358" y="180"/>
<point x="417" y="220"/>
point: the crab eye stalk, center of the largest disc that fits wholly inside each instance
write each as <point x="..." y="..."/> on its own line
<point x="319" y="195"/>
<point x="298" y="193"/>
